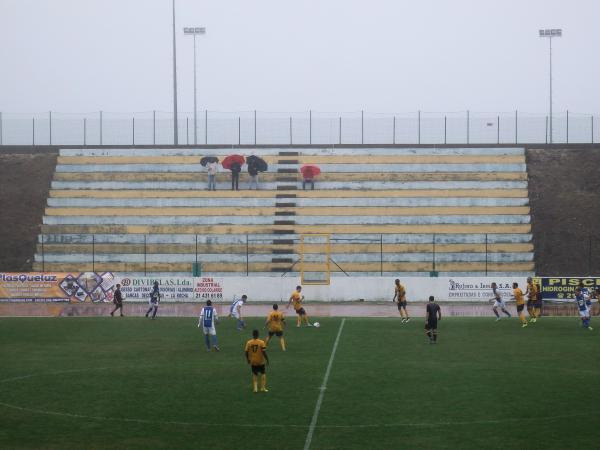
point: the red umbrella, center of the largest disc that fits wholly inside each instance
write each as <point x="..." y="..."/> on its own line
<point x="231" y="159"/>
<point x="310" y="171"/>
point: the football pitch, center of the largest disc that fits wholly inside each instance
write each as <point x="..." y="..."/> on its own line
<point x="133" y="383"/>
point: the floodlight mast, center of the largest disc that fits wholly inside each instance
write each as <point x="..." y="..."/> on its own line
<point x="175" y="130"/>
<point x="550" y="33"/>
<point x="195" y="31"/>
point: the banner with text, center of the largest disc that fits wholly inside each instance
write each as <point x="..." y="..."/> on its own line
<point x="49" y="287"/>
<point x="563" y="288"/>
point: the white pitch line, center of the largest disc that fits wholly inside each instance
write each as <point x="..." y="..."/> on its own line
<point x="313" y="422"/>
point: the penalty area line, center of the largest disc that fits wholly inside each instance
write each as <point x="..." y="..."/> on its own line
<point x="313" y="422"/>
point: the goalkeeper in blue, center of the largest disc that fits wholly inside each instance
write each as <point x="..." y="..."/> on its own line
<point x="584" y="312"/>
<point x="208" y="320"/>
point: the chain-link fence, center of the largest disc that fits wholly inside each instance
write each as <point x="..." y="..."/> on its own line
<point x="310" y="127"/>
<point x="250" y="254"/>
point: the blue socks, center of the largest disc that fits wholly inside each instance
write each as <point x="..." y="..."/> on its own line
<point x="207" y="341"/>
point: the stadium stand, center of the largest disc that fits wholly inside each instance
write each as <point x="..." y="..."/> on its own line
<point x="374" y="211"/>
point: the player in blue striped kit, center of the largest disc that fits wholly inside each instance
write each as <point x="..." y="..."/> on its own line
<point x="584" y="312"/>
<point x="154" y="300"/>
<point x="208" y="320"/>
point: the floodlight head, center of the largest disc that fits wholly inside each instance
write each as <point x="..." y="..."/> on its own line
<point x="551" y="32"/>
<point x="194" y="30"/>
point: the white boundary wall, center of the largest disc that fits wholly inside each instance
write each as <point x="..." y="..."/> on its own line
<point x="272" y="289"/>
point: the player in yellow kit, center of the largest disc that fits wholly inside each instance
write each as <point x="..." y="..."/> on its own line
<point x="519" y="297"/>
<point x="256" y="355"/>
<point x="532" y="294"/>
<point x="275" y="323"/>
<point x="400" y="294"/>
<point x="297" y="298"/>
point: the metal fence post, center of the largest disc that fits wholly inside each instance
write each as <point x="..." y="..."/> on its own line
<point x="33" y="131"/>
<point x="516" y="127"/>
<point x="546" y="130"/>
<point x="340" y="131"/>
<point x="433" y="252"/>
<point x="100" y="127"/>
<point x="133" y="130"/>
<point x="445" y="129"/>
<point x="187" y="131"/>
<point x="196" y="252"/>
<point x="567" y="126"/>
<point x="362" y="127"/>
<point x="381" y="254"/>
<point x="310" y="126"/>
<point x="254" y="127"/>
<point x="93" y="252"/>
<point x="419" y="128"/>
<point x="1" y="128"/>
<point x="247" y="257"/>
<point x="145" y="257"/>
<point x="206" y="126"/>
<point x="394" y="131"/>
<point x="239" y="130"/>
<point x="50" y="125"/>
<point x="154" y="127"/>
<point x="84" y="131"/>
<point x="468" y="124"/>
<point x="592" y="128"/>
<point x="486" y="254"/>
<point x="498" y="129"/>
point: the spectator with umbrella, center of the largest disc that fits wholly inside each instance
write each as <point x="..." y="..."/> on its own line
<point x="255" y="165"/>
<point x="234" y="163"/>
<point x="309" y="172"/>
<point x="210" y="162"/>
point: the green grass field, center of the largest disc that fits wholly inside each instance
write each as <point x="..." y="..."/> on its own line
<point x="132" y="383"/>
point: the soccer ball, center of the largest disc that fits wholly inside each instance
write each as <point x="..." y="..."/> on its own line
<point x="316" y="324"/>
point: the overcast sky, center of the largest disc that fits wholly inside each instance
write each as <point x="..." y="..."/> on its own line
<point x="295" y="55"/>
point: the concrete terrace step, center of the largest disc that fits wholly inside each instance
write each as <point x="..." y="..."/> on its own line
<point x="266" y="258"/>
<point x="383" y="193"/>
<point x="182" y="185"/>
<point x="247" y="202"/>
<point x="304" y="229"/>
<point x="249" y="210"/>
<point x="290" y="239"/>
<point x="165" y="167"/>
<point x="325" y="150"/>
<point x="233" y="268"/>
<point x="291" y="176"/>
<point x="299" y="220"/>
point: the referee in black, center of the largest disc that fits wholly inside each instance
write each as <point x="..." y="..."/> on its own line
<point x="118" y="301"/>
<point x="433" y="313"/>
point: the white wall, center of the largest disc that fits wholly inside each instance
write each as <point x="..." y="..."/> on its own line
<point x="277" y="289"/>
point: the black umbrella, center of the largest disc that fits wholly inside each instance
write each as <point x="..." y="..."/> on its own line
<point x="208" y="159"/>
<point x="257" y="162"/>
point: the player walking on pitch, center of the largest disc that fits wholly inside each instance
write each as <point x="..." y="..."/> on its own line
<point x="584" y="312"/>
<point x="400" y="294"/>
<point x="532" y="297"/>
<point x="235" y="311"/>
<point x="118" y="301"/>
<point x="297" y="298"/>
<point x="520" y="300"/>
<point x="256" y="356"/>
<point x="433" y="313"/>
<point x="275" y="323"/>
<point x="498" y="302"/>
<point x="154" y="300"/>
<point x="208" y="320"/>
